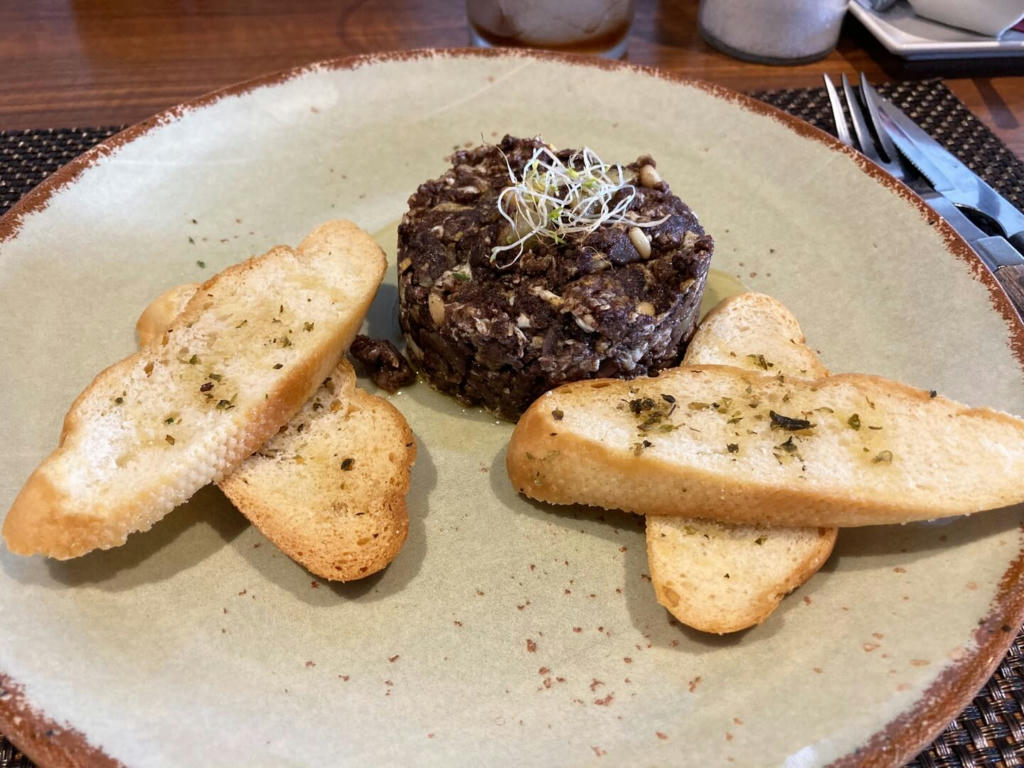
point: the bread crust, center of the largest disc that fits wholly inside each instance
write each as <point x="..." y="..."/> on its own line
<point x="157" y="317"/>
<point x="48" y="518"/>
<point x="549" y="462"/>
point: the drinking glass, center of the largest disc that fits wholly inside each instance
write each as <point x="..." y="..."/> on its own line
<point x="599" y="27"/>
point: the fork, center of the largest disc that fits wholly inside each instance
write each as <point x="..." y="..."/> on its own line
<point x="889" y="157"/>
<point x="885" y="155"/>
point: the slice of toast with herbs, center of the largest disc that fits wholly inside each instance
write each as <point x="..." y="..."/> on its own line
<point x="250" y="348"/>
<point x="329" y="489"/>
<point x="750" y="447"/>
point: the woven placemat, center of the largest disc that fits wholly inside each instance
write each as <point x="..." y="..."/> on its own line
<point x="990" y="732"/>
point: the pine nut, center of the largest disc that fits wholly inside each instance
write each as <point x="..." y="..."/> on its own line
<point x="639" y="240"/>
<point x="649" y="176"/>
<point x="436" y="306"/>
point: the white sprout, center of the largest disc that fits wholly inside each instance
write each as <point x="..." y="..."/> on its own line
<point x="554" y="199"/>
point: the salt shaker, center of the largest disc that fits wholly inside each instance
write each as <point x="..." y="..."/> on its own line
<point x="772" y="31"/>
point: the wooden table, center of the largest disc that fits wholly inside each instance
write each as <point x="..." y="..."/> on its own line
<point x="100" y="62"/>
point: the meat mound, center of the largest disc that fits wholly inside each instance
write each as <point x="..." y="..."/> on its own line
<point x="499" y="329"/>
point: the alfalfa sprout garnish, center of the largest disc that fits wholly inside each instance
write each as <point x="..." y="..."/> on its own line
<point x="555" y="198"/>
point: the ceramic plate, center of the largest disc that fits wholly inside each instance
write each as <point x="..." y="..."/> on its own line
<point x="505" y="632"/>
<point x="910" y="36"/>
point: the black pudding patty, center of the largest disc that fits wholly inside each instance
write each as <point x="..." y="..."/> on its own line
<point x="589" y="306"/>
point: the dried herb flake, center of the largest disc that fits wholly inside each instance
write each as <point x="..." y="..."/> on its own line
<point x="789" y="446"/>
<point x="788" y="422"/>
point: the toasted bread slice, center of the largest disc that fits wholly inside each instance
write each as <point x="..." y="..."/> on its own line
<point x="689" y="557"/>
<point x="748" y="447"/>
<point x="720" y="578"/>
<point x="756" y="332"/>
<point x="329" y="488"/>
<point x="250" y="348"/>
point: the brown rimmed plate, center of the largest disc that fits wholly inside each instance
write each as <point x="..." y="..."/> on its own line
<point x="505" y="632"/>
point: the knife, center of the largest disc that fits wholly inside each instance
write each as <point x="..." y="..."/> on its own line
<point x="998" y="255"/>
<point x="950" y="177"/>
<point x="1003" y="256"/>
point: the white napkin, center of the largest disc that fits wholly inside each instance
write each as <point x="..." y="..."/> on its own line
<point x="987" y="17"/>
